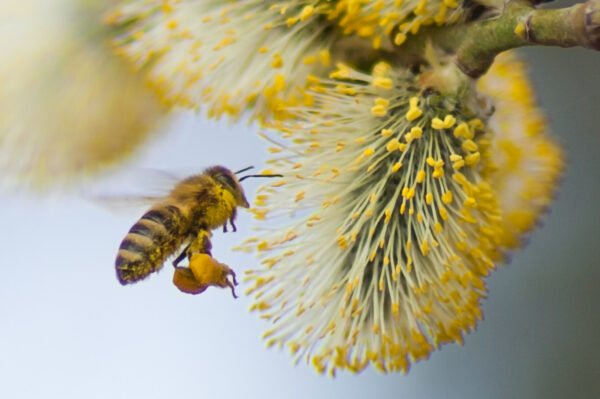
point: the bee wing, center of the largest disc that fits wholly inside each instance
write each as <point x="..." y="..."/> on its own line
<point x="121" y="203"/>
<point x="132" y="190"/>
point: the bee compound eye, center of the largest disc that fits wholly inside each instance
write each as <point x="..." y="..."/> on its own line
<point x="227" y="180"/>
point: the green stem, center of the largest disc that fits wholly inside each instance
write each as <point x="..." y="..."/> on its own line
<point x="476" y="44"/>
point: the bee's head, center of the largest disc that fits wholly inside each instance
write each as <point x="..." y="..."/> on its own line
<point x="229" y="182"/>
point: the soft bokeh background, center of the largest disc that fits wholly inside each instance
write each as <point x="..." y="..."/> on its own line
<point x="69" y="330"/>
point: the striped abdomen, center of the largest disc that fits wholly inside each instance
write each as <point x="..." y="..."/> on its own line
<point x="152" y="239"/>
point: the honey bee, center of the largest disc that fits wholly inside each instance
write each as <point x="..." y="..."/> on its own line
<point x="183" y="219"/>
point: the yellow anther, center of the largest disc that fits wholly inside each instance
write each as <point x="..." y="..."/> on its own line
<point x="520" y="30"/>
<point x="430" y="161"/>
<point x="386" y="132"/>
<point x="388" y="215"/>
<point x="449" y="121"/>
<point x="279" y="82"/>
<point x="437" y="124"/>
<point x="365" y="31"/>
<point x="306" y="13"/>
<point x="399" y="38"/>
<point x="312" y="79"/>
<point x="368" y="152"/>
<point x="421" y="8"/>
<point x="440" y="17"/>
<point x="447" y="197"/>
<point x="461" y="246"/>
<point x="437" y="228"/>
<point x="309" y="60"/>
<point x="462" y="130"/>
<point x="373" y="254"/>
<point x="416" y="132"/>
<point x="429" y="198"/>
<point x="458" y="164"/>
<point x="469" y="145"/>
<point x="459" y="178"/>
<point x="420" y="176"/>
<point x="172" y="24"/>
<point x="472" y="159"/>
<point x="325" y="57"/>
<point x="392" y="145"/>
<point x="470" y="202"/>
<point x="381" y="68"/>
<point x="424" y="248"/>
<point x="384" y="83"/>
<point x="476" y="124"/>
<point x="379" y="110"/>
<point x="277" y="61"/>
<point x="443" y="212"/>
<point x="396" y="167"/>
<point x="413" y="114"/>
<point x="382" y="101"/>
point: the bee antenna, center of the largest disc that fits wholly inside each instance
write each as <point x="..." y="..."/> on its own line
<point x="247" y="176"/>
<point x="243" y="170"/>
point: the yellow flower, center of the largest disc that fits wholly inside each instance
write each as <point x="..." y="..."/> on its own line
<point x="529" y="163"/>
<point x="381" y="20"/>
<point x="68" y="106"/>
<point x="229" y="56"/>
<point x="395" y="224"/>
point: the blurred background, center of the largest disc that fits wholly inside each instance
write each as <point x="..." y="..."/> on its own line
<point x="68" y="329"/>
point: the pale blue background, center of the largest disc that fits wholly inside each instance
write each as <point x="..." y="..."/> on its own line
<point x="69" y="330"/>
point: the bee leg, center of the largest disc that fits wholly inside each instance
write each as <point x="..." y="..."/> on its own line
<point x="232" y="219"/>
<point x="225" y="228"/>
<point x="230" y="285"/>
<point x="232" y="273"/>
<point x="201" y="244"/>
<point x="181" y="256"/>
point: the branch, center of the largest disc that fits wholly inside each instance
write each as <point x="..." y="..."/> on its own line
<point x="477" y="43"/>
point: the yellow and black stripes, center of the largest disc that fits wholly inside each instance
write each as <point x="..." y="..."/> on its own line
<point x="149" y="242"/>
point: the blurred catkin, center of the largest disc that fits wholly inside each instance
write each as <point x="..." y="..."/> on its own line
<point x="68" y="106"/>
